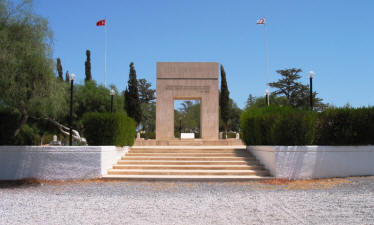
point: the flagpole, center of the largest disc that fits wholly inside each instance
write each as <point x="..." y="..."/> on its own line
<point x="266" y="65"/>
<point x="105" y="54"/>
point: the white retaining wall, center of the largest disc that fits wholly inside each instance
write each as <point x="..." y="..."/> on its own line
<point x="57" y="162"/>
<point x="309" y="162"/>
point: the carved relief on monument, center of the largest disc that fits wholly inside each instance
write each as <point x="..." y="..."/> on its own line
<point x="201" y="89"/>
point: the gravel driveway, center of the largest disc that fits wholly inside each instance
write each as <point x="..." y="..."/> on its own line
<point x="332" y="201"/>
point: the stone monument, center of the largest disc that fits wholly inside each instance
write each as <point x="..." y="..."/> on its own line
<point x="187" y="81"/>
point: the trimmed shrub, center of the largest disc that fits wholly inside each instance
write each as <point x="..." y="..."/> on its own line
<point x="287" y="126"/>
<point x="346" y="126"/>
<point x="109" y="129"/>
<point x="277" y="125"/>
<point x="294" y="127"/>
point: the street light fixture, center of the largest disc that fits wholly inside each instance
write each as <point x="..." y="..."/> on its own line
<point x="311" y="75"/>
<point x="112" y="93"/>
<point x="71" y="78"/>
<point x="267" y="97"/>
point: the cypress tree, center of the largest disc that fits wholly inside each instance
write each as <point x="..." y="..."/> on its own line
<point x="126" y="96"/>
<point x="87" y="65"/>
<point x="224" y="100"/>
<point x="132" y="102"/>
<point x="59" y="69"/>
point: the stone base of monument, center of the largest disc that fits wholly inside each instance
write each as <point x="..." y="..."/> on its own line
<point x="203" y="163"/>
<point x="189" y="142"/>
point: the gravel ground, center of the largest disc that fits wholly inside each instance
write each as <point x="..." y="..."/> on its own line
<point x="332" y="201"/>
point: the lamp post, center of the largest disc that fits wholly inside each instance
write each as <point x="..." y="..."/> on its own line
<point x="311" y="75"/>
<point x="267" y="97"/>
<point x="112" y="93"/>
<point x="71" y="78"/>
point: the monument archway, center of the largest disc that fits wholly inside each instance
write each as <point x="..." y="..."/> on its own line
<point x="186" y="80"/>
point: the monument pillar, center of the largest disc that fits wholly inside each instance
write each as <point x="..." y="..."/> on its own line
<point x="187" y="81"/>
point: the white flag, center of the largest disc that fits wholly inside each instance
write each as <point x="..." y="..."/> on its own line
<point x="261" y="21"/>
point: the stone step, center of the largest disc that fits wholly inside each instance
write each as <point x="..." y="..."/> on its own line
<point x="184" y="142"/>
<point x="200" y="178"/>
<point x="203" y="163"/>
<point x="170" y="162"/>
<point x="190" y="147"/>
<point x="183" y="154"/>
<point x="150" y="158"/>
<point x="187" y="151"/>
<point x="189" y="172"/>
<point x="186" y="167"/>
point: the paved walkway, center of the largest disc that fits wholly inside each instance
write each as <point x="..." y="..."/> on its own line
<point x="335" y="201"/>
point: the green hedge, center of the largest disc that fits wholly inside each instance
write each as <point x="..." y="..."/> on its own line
<point x="346" y="126"/>
<point x="109" y="129"/>
<point x="287" y="126"/>
<point x="276" y="125"/>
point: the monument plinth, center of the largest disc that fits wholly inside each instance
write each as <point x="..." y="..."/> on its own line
<point x="187" y="81"/>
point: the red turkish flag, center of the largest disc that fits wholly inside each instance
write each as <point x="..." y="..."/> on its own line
<point x="100" y="23"/>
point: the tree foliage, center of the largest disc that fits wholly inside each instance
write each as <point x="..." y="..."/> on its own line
<point x="149" y="116"/>
<point x="224" y="100"/>
<point x="146" y="93"/>
<point x="233" y="122"/>
<point x="234" y="118"/>
<point x="132" y="102"/>
<point x="288" y="85"/>
<point x="251" y="100"/>
<point x="67" y="76"/>
<point x="296" y="93"/>
<point x="188" y="115"/>
<point x="87" y="66"/>
<point x="27" y="79"/>
<point x="59" y="69"/>
<point x="91" y="97"/>
<point x="261" y="101"/>
<point x="147" y="105"/>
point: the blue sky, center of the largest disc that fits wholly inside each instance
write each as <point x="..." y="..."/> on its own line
<point x="333" y="38"/>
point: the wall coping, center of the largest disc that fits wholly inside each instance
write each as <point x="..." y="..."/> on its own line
<point x="56" y="149"/>
<point x="313" y="148"/>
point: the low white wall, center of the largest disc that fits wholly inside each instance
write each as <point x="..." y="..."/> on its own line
<point x="110" y="156"/>
<point x="57" y="162"/>
<point x="309" y="162"/>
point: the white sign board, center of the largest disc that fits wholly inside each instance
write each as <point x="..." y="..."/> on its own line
<point x="187" y="135"/>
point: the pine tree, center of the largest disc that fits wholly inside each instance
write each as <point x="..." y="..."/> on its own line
<point x="251" y="100"/>
<point x="132" y="102"/>
<point x="288" y="85"/>
<point x="224" y="100"/>
<point x="59" y="69"/>
<point x="296" y="93"/>
<point x="88" y="66"/>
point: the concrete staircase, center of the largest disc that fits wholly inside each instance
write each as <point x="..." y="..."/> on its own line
<point x="188" y="162"/>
